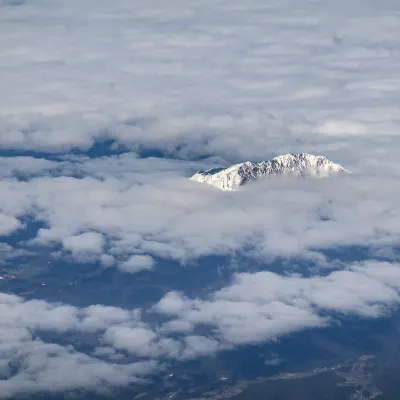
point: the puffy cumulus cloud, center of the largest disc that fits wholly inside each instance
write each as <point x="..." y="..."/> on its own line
<point x="100" y="317"/>
<point x="87" y="242"/>
<point x="135" y="339"/>
<point x="236" y="81"/>
<point x="263" y="306"/>
<point x="243" y="322"/>
<point x="8" y="224"/>
<point x="30" y="364"/>
<point x="42" y="315"/>
<point x="52" y="368"/>
<point x="142" y="341"/>
<point x="137" y="263"/>
<point x="197" y="346"/>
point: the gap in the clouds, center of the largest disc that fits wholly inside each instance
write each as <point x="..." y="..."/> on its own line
<point x="49" y="273"/>
<point x="60" y="278"/>
<point x="111" y="148"/>
<point x="85" y="283"/>
<point x="348" y="254"/>
<point x="104" y="148"/>
<point x="29" y="231"/>
<point x="99" y="149"/>
<point x="319" y="262"/>
<point x="177" y="153"/>
<point x="305" y="350"/>
<point x="316" y="349"/>
<point x="31" y="153"/>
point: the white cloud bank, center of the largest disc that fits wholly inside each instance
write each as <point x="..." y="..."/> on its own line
<point x="216" y="78"/>
<point x="125" y="219"/>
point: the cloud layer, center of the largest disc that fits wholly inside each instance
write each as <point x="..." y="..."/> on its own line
<point x="227" y="79"/>
<point x="123" y="218"/>
<point x="203" y="84"/>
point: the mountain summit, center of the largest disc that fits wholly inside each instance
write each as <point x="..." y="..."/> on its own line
<point x="299" y="165"/>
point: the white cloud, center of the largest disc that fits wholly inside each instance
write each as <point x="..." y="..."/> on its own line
<point x="52" y="368"/>
<point x="26" y="166"/>
<point x="263" y="306"/>
<point x="8" y="224"/>
<point x="137" y="263"/>
<point x="332" y="128"/>
<point x="100" y="317"/>
<point x="264" y="70"/>
<point x="198" y="346"/>
<point x="87" y="242"/>
<point x="40" y="366"/>
<point x="107" y="260"/>
<point x="137" y="340"/>
<point x="172" y="303"/>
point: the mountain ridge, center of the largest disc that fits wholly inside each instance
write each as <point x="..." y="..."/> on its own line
<point x="300" y="165"/>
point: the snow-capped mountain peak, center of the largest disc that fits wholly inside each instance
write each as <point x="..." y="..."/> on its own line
<point x="300" y="165"/>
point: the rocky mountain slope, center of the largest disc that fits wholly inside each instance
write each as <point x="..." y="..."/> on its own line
<point x="300" y="165"/>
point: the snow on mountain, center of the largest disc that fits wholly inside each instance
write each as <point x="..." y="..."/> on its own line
<point x="299" y="165"/>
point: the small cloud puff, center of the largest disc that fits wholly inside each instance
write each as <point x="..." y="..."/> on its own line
<point x="88" y="242"/>
<point x="137" y="263"/>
